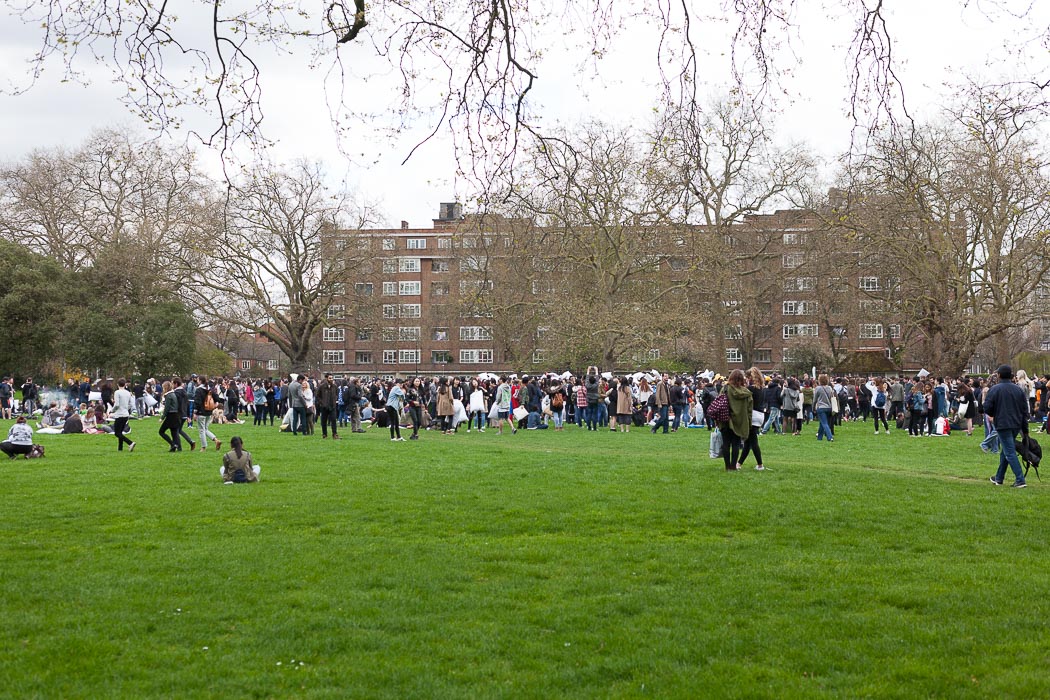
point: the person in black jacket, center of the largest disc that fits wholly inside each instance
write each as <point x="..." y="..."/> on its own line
<point x="325" y="402"/>
<point x="1007" y="406"/>
<point x="771" y="398"/>
<point x="755" y="386"/>
<point x="679" y="404"/>
<point x="184" y="411"/>
<point x="200" y="406"/>
<point x="353" y="397"/>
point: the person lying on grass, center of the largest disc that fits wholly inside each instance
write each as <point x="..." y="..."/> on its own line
<point x="237" y="467"/>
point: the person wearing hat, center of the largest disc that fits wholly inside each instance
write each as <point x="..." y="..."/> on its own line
<point x="1007" y="406"/>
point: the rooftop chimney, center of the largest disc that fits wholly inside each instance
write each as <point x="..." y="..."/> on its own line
<point x="450" y="211"/>
<point x="404" y="225"/>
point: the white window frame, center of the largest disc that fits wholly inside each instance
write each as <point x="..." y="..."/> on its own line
<point x="869" y="284"/>
<point x="417" y="244"/>
<point x="389" y="310"/>
<point x="272" y="364"/>
<point x="895" y="330"/>
<point x="409" y="265"/>
<point x="475" y="356"/>
<point x="800" y="330"/>
<point x="872" y="331"/>
<point x="363" y="357"/>
<point x="333" y="335"/>
<point x="390" y="357"/>
<point x="333" y="357"/>
<point x="365" y="289"/>
<point x="790" y="261"/>
<point x="336" y="311"/>
<point x="389" y="267"/>
<point x="410" y="288"/>
<point x="410" y="311"/>
<point x="408" y="334"/>
<point x="408" y="357"/>
<point x="444" y="243"/>
<point x="246" y="364"/>
<point x="390" y="289"/>
<point x="474" y="333"/>
<point x="389" y="244"/>
<point x="439" y="266"/>
<point x="734" y="355"/>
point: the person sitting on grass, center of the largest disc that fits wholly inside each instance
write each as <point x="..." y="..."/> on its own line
<point x="237" y="467"/>
<point x="19" y="439"/>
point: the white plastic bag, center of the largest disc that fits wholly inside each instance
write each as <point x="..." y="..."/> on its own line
<point x="715" y="450"/>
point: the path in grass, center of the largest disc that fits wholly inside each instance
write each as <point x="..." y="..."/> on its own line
<point x="541" y="564"/>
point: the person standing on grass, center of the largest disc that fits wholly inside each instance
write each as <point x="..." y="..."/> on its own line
<point x="298" y="406"/>
<point x="395" y="401"/>
<point x="503" y="401"/>
<point x="756" y="386"/>
<point x="1007" y="406"/>
<point x="822" y="395"/>
<point x="624" y="405"/>
<point x="325" y="400"/>
<point x="123" y="401"/>
<point x="663" y="404"/>
<point x="414" y="401"/>
<point x="879" y="402"/>
<point x="741" y="403"/>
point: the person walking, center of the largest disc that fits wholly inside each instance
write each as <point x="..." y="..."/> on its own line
<point x="172" y="419"/>
<point x="395" y="400"/>
<point x="203" y="405"/>
<point x="738" y="427"/>
<point x="123" y="401"/>
<point x="298" y="406"/>
<point x="1007" y="406"/>
<point x="662" y="396"/>
<point x="822" y="395"/>
<point x="756" y="386"/>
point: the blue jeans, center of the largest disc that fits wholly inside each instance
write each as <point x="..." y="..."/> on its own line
<point x="535" y="421"/>
<point x="773" y="420"/>
<point x="603" y="414"/>
<point x="558" y="417"/>
<point x="679" y="414"/>
<point x="991" y="438"/>
<point x="1008" y="455"/>
<point x="591" y="416"/>
<point x="662" y="420"/>
<point x="298" y="421"/>
<point x="823" y="414"/>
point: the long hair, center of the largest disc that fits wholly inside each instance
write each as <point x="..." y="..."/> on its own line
<point x="736" y="377"/>
<point x="238" y="446"/>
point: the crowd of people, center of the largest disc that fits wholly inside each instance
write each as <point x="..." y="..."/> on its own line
<point x="737" y="409"/>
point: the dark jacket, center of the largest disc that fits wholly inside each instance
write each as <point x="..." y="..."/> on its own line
<point x="590" y="384"/>
<point x="184" y="402"/>
<point x="1008" y="405"/>
<point x="325" y="396"/>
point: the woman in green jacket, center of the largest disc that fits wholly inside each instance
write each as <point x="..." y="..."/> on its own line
<point x="739" y="425"/>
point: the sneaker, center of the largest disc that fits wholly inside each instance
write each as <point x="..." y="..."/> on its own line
<point x="876" y="432"/>
<point x="759" y="468"/>
<point x="997" y="483"/>
<point x="193" y="446"/>
<point x="984" y="449"/>
<point x="1018" y="485"/>
<point x="413" y="437"/>
<point x="131" y="447"/>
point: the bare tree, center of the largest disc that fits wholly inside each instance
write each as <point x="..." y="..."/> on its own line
<point x="959" y="212"/>
<point x="117" y="205"/>
<point x="274" y="266"/>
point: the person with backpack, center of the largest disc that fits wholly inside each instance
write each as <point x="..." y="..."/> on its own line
<point x="878" y="407"/>
<point x="557" y="404"/>
<point x="203" y="405"/>
<point x="237" y="467"/>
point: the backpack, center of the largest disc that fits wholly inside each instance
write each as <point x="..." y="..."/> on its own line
<point x="718" y="411"/>
<point x="557" y="399"/>
<point x="209" y="402"/>
<point x="880" y="399"/>
<point x="240" y="476"/>
<point x="35" y="452"/>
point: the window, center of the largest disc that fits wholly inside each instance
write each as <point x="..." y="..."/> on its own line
<point x="653" y="354"/>
<point x="389" y="267"/>
<point x="475" y="333"/>
<point x="444" y="243"/>
<point x="388" y="334"/>
<point x="336" y="311"/>
<point x="869" y="284"/>
<point x="410" y="311"/>
<point x="800" y="330"/>
<point x="441" y="335"/>
<point x="408" y="265"/>
<point x="440" y="357"/>
<point x="734" y="355"/>
<point x="800" y="284"/>
<point x="339" y="289"/>
<point x="364" y="334"/>
<point x="390" y="357"/>
<point x="339" y="243"/>
<point x="334" y="335"/>
<point x="870" y="330"/>
<point x="408" y="333"/>
<point x="417" y="243"/>
<point x="794" y="239"/>
<point x="438" y="289"/>
<point x="466" y="286"/>
<point x="839" y="331"/>
<point x="538" y="356"/>
<point x="792" y="260"/>
<point x="439" y="265"/>
<point x="678" y="264"/>
<point x="895" y="330"/>
<point x="799" y="308"/>
<point x="333" y="357"/>
<point x="870" y="305"/>
<point x="733" y="333"/>
<point x="542" y="286"/>
<point x="763" y="357"/>
<point x="472" y="264"/>
<point x="271" y="364"/>
<point x="363" y="358"/>
<point x="409" y="289"/>
<point x="787" y="355"/>
<point x="389" y="244"/>
<point x="246" y="364"/>
<point x="389" y="310"/>
<point x="363" y="288"/>
<point x="408" y="357"/>
<point x="475" y="357"/>
<point x="389" y="289"/>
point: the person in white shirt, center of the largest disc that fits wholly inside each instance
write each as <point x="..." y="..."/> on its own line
<point x="123" y="400"/>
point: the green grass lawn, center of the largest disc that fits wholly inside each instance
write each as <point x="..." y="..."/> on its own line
<point x="543" y="565"/>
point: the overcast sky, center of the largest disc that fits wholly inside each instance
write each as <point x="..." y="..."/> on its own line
<point x="937" y="41"/>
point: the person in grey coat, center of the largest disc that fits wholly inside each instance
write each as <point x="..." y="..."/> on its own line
<point x="298" y="406"/>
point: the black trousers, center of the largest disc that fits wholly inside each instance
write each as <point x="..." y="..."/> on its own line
<point x="119" y="425"/>
<point x="172" y="423"/>
<point x="327" y="418"/>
